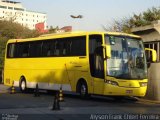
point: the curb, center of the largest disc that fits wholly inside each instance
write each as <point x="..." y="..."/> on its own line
<point x="4" y="91"/>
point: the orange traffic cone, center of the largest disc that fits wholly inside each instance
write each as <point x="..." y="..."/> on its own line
<point x="12" y="89"/>
<point x="61" y="99"/>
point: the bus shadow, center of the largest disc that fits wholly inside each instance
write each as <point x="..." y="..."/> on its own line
<point x="73" y="100"/>
<point x="76" y="96"/>
<point x="108" y="99"/>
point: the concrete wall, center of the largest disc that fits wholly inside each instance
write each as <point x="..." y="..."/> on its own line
<point x="151" y="33"/>
<point x="153" y="91"/>
<point x="148" y="32"/>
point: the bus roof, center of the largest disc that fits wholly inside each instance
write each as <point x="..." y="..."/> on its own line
<point x="70" y="34"/>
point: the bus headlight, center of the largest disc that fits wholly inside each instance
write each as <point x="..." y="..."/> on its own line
<point x="143" y="84"/>
<point x="111" y="82"/>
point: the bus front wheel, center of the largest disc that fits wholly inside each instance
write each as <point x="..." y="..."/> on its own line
<point x="22" y="85"/>
<point x="83" y="89"/>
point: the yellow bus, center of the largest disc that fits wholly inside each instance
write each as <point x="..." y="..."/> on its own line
<point x="102" y="63"/>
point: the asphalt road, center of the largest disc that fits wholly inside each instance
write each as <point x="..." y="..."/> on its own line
<point x="26" y="106"/>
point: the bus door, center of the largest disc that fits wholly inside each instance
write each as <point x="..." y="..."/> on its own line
<point x="96" y="63"/>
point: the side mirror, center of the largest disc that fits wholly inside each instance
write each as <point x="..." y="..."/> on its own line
<point x="107" y="49"/>
<point x="153" y="56"/>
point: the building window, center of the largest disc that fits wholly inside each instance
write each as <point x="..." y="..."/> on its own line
<point x="5" y="7"/>
<point x="20" y="9"/>
<point x="10" y="8"/>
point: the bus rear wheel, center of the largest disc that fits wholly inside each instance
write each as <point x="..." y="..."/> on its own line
<point x="22" y="85"/>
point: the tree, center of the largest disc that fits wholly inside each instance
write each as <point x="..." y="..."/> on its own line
<point x="2" y="48"/>
<point x="142" y="19"/>
<point x="53" y="30"/>
<point x="12" y="30"/>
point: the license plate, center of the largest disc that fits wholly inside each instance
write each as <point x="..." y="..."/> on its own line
<point x="7" y="80"/>
<point x="129" y="91"/>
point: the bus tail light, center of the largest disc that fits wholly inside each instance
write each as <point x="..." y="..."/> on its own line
<point x="111" y="82"/>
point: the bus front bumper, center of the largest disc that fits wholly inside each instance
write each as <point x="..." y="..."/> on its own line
<point x="113" y="90"/>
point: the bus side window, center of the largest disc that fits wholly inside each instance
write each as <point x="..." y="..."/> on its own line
<point x="52" y="48"/>
<point x="78" y="46"/>
<point x="25" y="49"/>
<point x="73" y="46"/>
<point x="61" y="47"/>
<point x="35" y="49"/>
<point x="46" y="48"/>
<point x="11" y="50"/>
<point x="56" y="51"/>
<point x="68" y="46"/>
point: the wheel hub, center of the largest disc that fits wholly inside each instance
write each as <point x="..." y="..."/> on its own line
<point x="23" y="85"/>
<point x="83" y="89"/>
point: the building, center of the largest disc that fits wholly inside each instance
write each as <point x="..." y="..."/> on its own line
<point x="40" y="27"/>
<point x="150" y="35"/>
<point x="66" y="28"/>
<point x="11" y="10"/>
<point x="151" y="38"/>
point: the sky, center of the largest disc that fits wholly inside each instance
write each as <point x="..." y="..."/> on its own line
<point x="96" y="13"/>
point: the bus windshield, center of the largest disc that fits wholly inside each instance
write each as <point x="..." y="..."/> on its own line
<point x="127" y="57"/>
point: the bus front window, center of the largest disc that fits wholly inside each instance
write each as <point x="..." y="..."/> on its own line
<point x="127" y="58"/>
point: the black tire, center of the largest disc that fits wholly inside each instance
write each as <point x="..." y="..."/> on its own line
<point x="83" y="90"/>
<point x="23" y="85"/>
